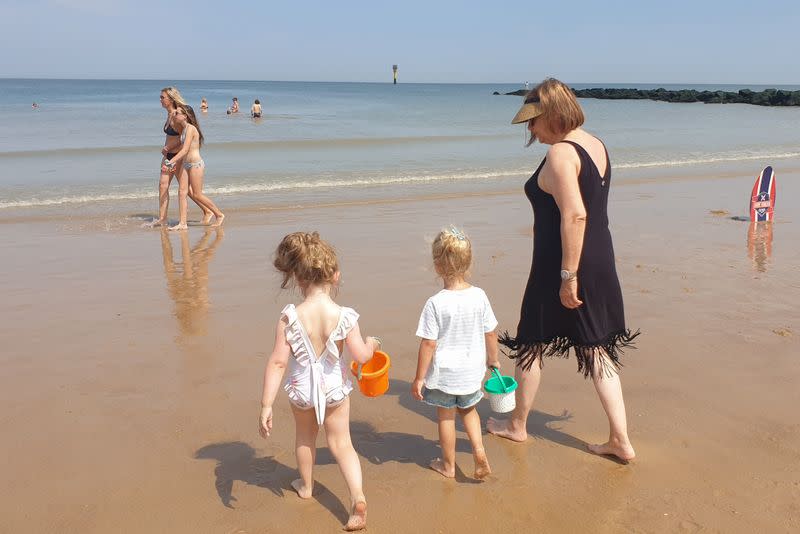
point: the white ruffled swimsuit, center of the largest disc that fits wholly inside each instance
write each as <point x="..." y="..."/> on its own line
<point x="317" y="382"/>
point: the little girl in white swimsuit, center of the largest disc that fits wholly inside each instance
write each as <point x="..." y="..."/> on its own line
<point x="309" y="340"/>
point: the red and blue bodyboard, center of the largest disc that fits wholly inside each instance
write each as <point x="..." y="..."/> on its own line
<point x="762" y="200"/>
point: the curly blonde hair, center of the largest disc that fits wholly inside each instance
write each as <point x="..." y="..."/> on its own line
<point x="452" y="253"/>
<point x="304" y="258"/>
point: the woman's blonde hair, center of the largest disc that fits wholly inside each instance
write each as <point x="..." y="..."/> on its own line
<point x="561" y="111"/>
<point x="452" y="253"/>
<point x="174" y="95"/>
<point x="306" y="259"/>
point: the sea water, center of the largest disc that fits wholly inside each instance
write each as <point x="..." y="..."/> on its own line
<point x="96" y="144"/>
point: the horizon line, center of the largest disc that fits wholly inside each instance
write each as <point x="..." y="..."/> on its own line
<point x="373" y="82"/>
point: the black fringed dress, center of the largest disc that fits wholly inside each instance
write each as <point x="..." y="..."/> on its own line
<point x="546" y="327"/>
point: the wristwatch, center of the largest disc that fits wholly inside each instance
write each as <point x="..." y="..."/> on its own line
<point x="568" y="275"/>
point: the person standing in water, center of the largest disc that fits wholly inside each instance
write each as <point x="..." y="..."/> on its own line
<point x="255" y="109"/>
<point x="192" y="170"/>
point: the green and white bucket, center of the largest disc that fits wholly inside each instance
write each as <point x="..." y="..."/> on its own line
<point x="502" y="398"/>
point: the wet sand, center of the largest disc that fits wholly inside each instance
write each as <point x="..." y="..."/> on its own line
<point x="133" y="361"/>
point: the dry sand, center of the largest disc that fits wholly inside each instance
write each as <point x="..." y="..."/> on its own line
<point x="132" y="373"/>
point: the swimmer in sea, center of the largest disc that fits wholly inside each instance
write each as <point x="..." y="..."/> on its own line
<point x="255" y="110"/>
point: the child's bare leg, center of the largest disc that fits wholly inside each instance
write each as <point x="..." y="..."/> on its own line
<point x="446" y="465"/>
<point x="337" y="432"/>
<point x="609" y="389"/>
<point x="472" y="424"/>
<point x="306" y="429"/>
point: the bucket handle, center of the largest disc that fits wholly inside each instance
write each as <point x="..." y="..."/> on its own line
<point x="359" y="368"/>
<point x="497" y="374"/>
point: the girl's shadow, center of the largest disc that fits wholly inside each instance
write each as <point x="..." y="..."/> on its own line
<point x="381" y="447"/>
<point x="539" y="423"/>
<point x="237" y="461"/>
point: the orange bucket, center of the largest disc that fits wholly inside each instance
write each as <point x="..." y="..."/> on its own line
<point x="374" y="380"/>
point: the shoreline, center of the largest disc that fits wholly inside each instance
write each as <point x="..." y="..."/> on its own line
<point x="702" y="176"/>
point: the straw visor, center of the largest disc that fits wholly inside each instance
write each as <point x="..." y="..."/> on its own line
<point x="530" y="109"/>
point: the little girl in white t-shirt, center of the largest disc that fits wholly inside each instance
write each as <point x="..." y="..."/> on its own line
<point x="458" y="342"/>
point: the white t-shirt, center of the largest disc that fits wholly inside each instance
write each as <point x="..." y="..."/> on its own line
<point x="457" y="321"/>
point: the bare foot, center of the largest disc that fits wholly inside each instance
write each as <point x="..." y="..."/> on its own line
<point x="158" y="222"/>
<point x="503" y="428"/>
<point x="302" y="491"/>
<point x="179" y="227"/>
<point x="482" y="469"/>
<point x="207" y="218"/>
<point x="358" y="518"/>
<point x="438" y="466"/>
<point x="624" y="452"/>
<point x="219" y="220"/>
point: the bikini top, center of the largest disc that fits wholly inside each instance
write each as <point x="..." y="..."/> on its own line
<point x="169" y="130"/>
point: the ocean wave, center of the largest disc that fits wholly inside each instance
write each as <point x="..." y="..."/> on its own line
<point x="277" y="144"/>
<point x="75" y="199"/>
<point x="361" y="182"/>
<point x="264" y="187"/>
<point x="251" y="185"/>
<point x="721" y="158"/>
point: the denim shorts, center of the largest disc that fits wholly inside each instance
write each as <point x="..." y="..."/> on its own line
<point x="440" y="399"/>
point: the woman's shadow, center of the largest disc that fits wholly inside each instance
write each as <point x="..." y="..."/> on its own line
<point x="237" y="461"/>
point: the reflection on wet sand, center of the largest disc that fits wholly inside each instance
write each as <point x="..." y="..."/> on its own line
<point x="187" y="280"/>
<point x="759" y="244"/>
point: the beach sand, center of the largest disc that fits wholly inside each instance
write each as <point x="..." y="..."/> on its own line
<point x="132" y="367"/>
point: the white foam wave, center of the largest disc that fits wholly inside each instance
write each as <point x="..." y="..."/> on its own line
<point x="721" y="158"/>
<point x="367" y="181"/>
<point x="360" y="182"/>
<point x="265" y="187"/>
<point x="75" y="199"/>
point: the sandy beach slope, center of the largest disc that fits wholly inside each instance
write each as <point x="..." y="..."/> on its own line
<point x="132" y="365"/>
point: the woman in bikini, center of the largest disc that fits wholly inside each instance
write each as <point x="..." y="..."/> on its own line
<point x="190" y="166"/>
<point x="170" y="99"/>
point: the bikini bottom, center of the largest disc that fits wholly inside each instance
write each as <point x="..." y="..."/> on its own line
<point x="195" y="165"/>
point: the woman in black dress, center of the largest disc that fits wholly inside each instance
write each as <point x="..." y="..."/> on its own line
<point x="573" y="298"/>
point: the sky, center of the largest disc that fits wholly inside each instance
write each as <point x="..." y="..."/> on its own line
<point x="579" y="41"/>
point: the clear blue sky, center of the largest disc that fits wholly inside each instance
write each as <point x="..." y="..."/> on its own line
<point x="676" y="41"/>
